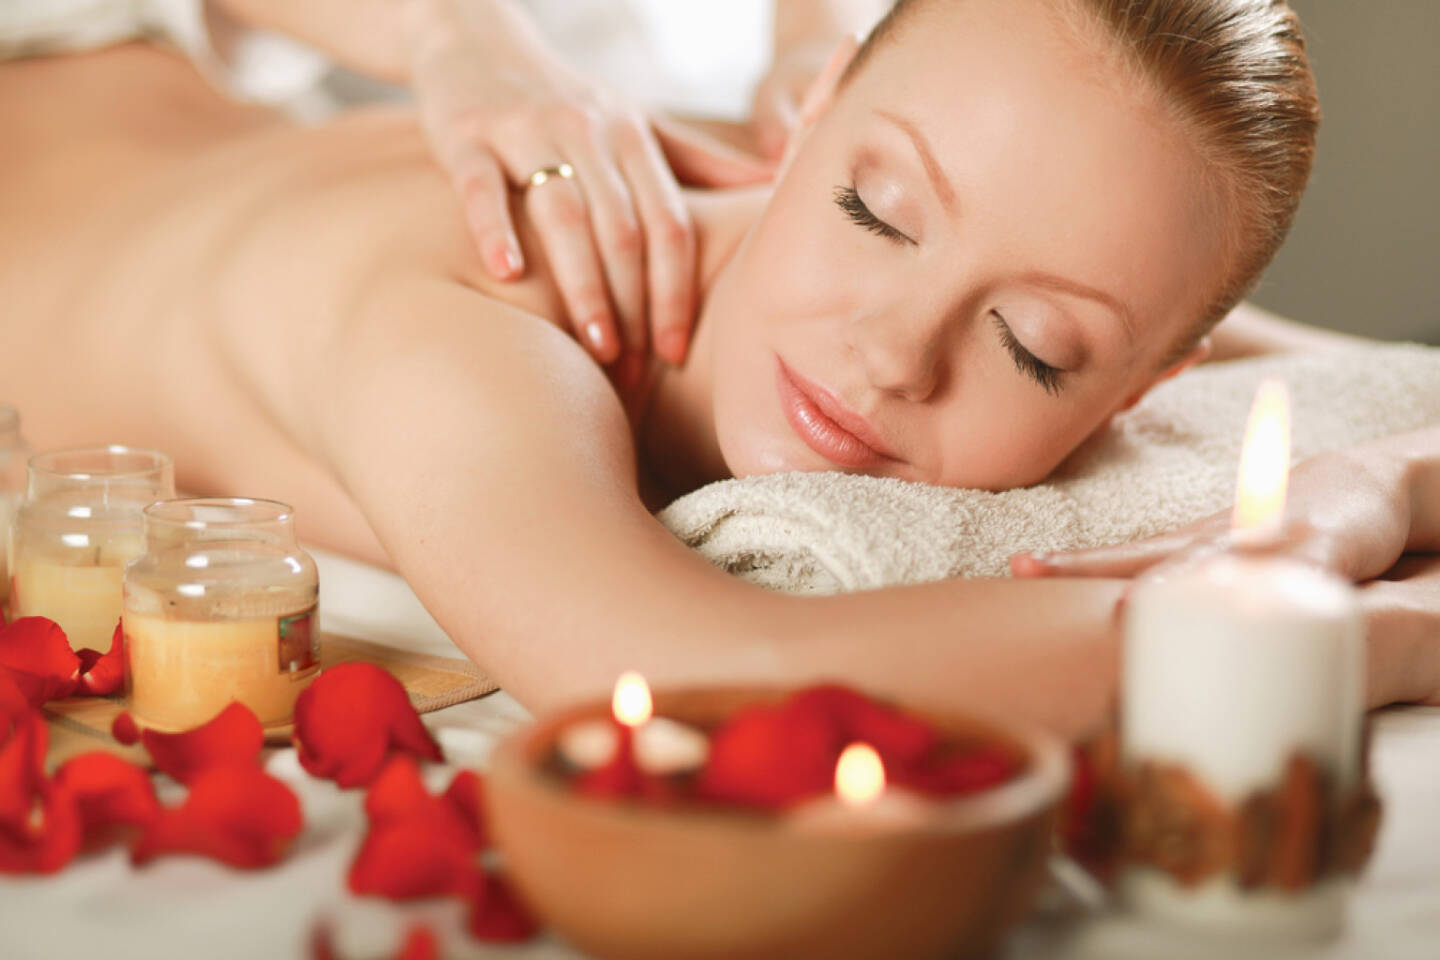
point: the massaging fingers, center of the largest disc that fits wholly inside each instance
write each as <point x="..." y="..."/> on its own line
<point x="485" y="199"/>
<point x="620" y="241"/>
<point x="669" y="243"/>
<point x="560" y="213"/>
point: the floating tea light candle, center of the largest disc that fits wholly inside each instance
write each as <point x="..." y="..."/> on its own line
<point x="78" y="527"/>
<point x="658" y="746"/>
<point x="220" y="607"/>
<point x="1242" y="715"/>
<point x="862" y="801"/>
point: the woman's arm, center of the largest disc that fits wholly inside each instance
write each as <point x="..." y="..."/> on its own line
<point x="1251" y="331"/>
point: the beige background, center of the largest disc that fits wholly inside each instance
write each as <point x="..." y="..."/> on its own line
<point x="1364" y="254"/>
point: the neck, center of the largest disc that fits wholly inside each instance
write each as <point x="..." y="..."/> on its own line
<point x="674" y="425"/>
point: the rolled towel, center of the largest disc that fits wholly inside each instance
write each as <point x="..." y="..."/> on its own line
<point x="1168" y="461"/>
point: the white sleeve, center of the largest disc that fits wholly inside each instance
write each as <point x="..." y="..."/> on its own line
<point x="247" y="64"/>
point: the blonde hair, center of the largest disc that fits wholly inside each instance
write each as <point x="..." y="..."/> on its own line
<point x="1236" y="73"/>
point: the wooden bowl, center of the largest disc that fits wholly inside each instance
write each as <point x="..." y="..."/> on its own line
<point x="625" y="880"/>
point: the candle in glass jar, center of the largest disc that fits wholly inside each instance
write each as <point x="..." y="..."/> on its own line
<point x="220" y="607"/>
<point x="1233" y="667"/>
<point x="78" y="527"/>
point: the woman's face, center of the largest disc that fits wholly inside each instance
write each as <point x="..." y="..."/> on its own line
<point x="982" y="248"/>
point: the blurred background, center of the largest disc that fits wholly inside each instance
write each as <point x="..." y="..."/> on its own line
<point x="1364" y="254"/>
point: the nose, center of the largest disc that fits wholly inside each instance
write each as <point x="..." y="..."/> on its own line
<point x="901" y="351"/>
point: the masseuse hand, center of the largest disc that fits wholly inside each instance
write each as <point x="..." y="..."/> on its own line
<point x="1353" y="511"/>
<point x="598" y="178"/>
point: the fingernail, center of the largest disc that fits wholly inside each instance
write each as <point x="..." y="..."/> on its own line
<point x="513" y="261"/>
<point x="596" y="335"/>
<point x="671" y="344"/>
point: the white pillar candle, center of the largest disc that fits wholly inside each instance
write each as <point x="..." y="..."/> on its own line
<point x="1231" y="667"/>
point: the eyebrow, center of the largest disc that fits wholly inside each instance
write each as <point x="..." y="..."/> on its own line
<point x="1050" y="281"/>
<point x="943" y="188"/>
<point x="946" y="192"/>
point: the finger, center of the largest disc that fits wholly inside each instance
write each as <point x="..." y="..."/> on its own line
<point x="560" y="215"/>
<point x="619" y="239"/>
<point x="1120" y="560"/>
<point x="485" y="200"/>
<point x="704" y="161"/>
<point x="669" y="245"/>
<point x="773" y="119"/>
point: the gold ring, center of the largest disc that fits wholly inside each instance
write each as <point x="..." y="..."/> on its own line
<point x="562" y="170"/>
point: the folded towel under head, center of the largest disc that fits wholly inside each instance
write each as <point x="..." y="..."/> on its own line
<point x="1169" y="461"/>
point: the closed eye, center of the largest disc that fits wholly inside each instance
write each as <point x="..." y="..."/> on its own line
<point x="1026" y="362"/>
<point x="848" y="200"/>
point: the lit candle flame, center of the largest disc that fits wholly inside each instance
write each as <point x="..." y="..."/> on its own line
<point x="859" y="775"/>
<point x="1264" y="467"/>
<point x="631" y="703"/>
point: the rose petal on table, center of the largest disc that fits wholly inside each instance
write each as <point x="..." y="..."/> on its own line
<point x="102" y="674"/>
<point x="39" y="656"/>
<point x="466" y="794"/>
<point x="22" y="771"/>
<point x="233" y="735"/>
<point x="109" y="791"/>
<point x="397" y="792"/>
<point x="15" y="706"/>
<point x="770" y="756"/>
<point x="349" y="720"/>
<point x="411" y="858"/>
<point x="497" y="914"/>
<point x="49" y="837"/>
<point x="235" y="813"/>
<point x="420" y="944"/>
<point x="124" y="730"/>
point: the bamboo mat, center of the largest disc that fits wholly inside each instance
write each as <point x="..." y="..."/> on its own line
<point x="79" y="724"/>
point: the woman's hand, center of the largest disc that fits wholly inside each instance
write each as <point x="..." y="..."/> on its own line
<point x="775" y="109"/>
<point x="594" y="173"/>
<point x="1353" y="511"/>
<point x="1402" y="614"/>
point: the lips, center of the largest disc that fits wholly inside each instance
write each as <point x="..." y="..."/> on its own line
<point x="830" y="429"/>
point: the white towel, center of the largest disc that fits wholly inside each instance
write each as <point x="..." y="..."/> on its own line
<point x="1167" y="462"/>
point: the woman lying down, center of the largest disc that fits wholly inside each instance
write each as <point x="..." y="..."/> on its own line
<point x="999" y="223"/>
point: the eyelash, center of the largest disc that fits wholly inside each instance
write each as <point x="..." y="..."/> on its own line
<point x="1048" y="377"/>
<point x="1026" y="362"/>
<point x="848" y="200"/>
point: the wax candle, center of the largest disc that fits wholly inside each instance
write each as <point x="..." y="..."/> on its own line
<point x="78" y="527"/>
<point x="662" y="746"/>
<point x="220" y="607"/>
<point x="861" y="801"/>
<point x="1238" y="671"/>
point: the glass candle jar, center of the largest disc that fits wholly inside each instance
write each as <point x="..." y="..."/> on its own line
<point x="13" y="454"/>
<point x="219" y="607"/>
<point x="78" y="527"/>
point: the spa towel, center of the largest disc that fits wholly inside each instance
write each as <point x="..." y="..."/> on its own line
<point x="1168" y="461"/>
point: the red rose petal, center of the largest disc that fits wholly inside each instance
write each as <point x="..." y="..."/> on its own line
<point x="770" y="757"/>
<point x="466" y="794"/>
<point x="49" y="837"/>
<point x="43" y="665"/>
<point x="103" y="674"/>
<point x="899" y="738"/>
<point x="22" y="772"/>
<point x="966" y="771"/>
<point x="397" y="792"/>
<point x="412" y="858"/>
<point x="109" y="791"/>
<point x="350" y="718"/>
<point x="420" y="944"/>
<point x="235" y="813"/>
<point x="123" y="729"/>
<point x="233" y="735"/>
<point x="619" y="777"/>
<point x="498" y="915"/>
<point x="14" y="705"/>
